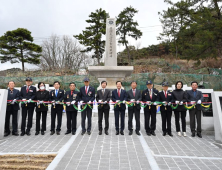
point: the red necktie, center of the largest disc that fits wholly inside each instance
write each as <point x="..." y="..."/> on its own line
<point x="71" y="92"/>
<point x="27" y="90"/>
<point x="86" y="90"/>
<point x="165" y="94"/>
<point x="150" y="95"/>
<point x="134" y="92"/>
<point x="119" y="93"/>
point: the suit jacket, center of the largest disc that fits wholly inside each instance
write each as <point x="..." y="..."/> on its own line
<point x="179" y="95"/>
<point x="146" y="97"/>
<point x="30" y="95"/>
<point x="138" y="96"/>
<point x="42" y="96"/>
<point x="123" y="96"/>
<point x="59" y="97"/>
<point x="90" y="96"/>
<point x="69" y="98"/>
<point x="161" y="98"/>
<point x="14" y="94"/>
<point x="105" y="97"/>
<point x="199" y="96"/>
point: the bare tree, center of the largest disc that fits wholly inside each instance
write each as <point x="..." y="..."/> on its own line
<point x="64" y="54"/>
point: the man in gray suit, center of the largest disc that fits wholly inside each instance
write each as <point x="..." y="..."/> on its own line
<point x="134" y="96"/>
<point x="195" y="96"/>
<point x="103" y="97"/>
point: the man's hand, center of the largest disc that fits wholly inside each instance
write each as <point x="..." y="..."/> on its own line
<point x="154" y="103"/>
<point x="73" y="102"/>
<point x="124" y="101"/>
<point x="117" y="101"/>
<point x="29" y="100"/>
<point x="40" y="102"/>
<point x="68" y="103"/>
<point x="181" y="103"/>
<point x="137" y="102"/>
<point x="132" y="100"/>
<point x="105" y="102"/>
<point x="89" y="102"/>
<point x="81" y="102"/>
<point x="164" y="103"/>
<point x="199" y="102"/>
<point x="177" y="102"/>
<point x="169" y="103"/>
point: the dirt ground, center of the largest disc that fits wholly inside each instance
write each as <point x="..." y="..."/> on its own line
<point x="25" y="162"/>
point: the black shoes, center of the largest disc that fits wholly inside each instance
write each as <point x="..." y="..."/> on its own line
<point x="117" y="132"/>
<point x="28" y="133"/>
<point x="164" y="133"/>
<point x="153" y="133"/>
<point x="130" y="132"/>
<point x="52" y="133"/>
<point x="22" y="134"/>
<point x="193" y="134"/>
<point x="6" y="134"/>
<point x="89" y="133"/>
<point x="199" y="135"/>
<point x="67" y="132"/>
<point x="106" y="132"/>
<point x="73" y="133"/>
<point x="170" y="134"/>
<point x="138" y="133"/>
<point x="83" y="133"/>
<point x="148" y="133"/>
<point x="57" y="132"/>
<point x="121" y="132"/>
<point x="36" y="133"/>
<point x="42" y="132"/>
<point x="15" y="133"/>
<point x="100" y="132"/>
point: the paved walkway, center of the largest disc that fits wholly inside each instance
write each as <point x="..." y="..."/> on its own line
<point x="119" y="152"/>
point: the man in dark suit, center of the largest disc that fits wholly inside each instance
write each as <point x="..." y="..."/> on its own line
<point x="119" y="95"/>
<point x="165" y="96"/>
<point x="103" y="97"/>
<point x="134" y="95"/>
<point x="195" y="96"/>
<point x="71" y="98"/>
<point x="28" y="93"/>
<point x="12" y="109"/>
<point x="150" y="95"/>
<point x="56" y="96"/>
<point x="86" y="96"/>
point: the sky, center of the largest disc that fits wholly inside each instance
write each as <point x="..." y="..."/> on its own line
<point x="67" y="17"/>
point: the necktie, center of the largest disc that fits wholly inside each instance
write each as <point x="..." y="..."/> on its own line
<point x="86" y="90"/>
<point x="56" y="92"/>
<point x="27" y="90"/>
<point x="119" y="93"/>
<point x="103" y="91"/>
<point x="165" y="94"/>
<point x="194" y="93"/>
<point x="150" y="95"/>
<point x="134" y="92"/>
<point x="71" y="92"/>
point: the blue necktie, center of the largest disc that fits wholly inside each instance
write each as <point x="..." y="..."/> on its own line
<point x="56" y="93"/>
<point x="194" y="93"/>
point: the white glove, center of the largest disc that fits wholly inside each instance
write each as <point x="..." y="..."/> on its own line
<point x="132" y="100"/>
<point x="169" y="103"/>
<point x="81" y="102"/>
<point x="100" y="101"/>
<point x="13" y="102"/>
<point x="177" y="102"/>
<point x="164" y="103"/>
<point x="110" y="102"/>
<point x="137" y="102"/>
<point x="40" y="102"/>
<point x="73" y="102"/>
<point x="89" y="102"/>
<point x="181" y="103"/>
<point x="148" y="102"/>
<point x="117" y="101"/>
<point x="68" y="103"/>
<point x="29" y="100"/>
<point x="199" y="102"/>
<point x="105" y="102"/>
<point x="57" y="102"/>
<point x="124" y="101"/>
<point x="155" y="103"/>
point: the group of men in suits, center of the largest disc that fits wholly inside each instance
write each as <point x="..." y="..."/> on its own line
<point x="86" y="95"/>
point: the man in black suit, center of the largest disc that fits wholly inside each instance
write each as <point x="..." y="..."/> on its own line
<point x="56" y="96"/>
<point x="119" y="95"/>
<point x="165" y="96"/>
<point x="103" y="97"/>
<point x="28" y="93"/>
<point x="12" y="109"/>
<point x="195" y="96"/>
<point x="134" y="96"/>
<point x="150" y="95"/>
<point x="86" y="96"/>
<point x="71" y="98"/>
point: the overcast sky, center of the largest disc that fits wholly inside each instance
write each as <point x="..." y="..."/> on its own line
<point x="67" y="17"/>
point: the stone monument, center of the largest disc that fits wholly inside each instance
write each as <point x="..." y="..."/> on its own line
<point x="110" y="72"/>
<point x="3" y="104"/>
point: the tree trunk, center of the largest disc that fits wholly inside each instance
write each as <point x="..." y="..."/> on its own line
<point x="23" y="67"/>
<point x="128" y="53"/>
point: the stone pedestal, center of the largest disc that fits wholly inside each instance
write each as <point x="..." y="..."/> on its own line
<point x="3" y="104"/>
